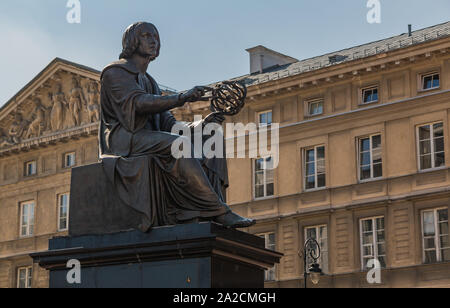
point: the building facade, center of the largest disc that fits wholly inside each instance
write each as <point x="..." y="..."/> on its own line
<point x="364" y="165"/>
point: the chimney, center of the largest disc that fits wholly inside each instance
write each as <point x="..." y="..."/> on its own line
<point x="409" y="30"/>
<point x="262" y="58"/>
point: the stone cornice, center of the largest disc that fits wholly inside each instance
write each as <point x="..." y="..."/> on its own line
<point x="50" y="139"/>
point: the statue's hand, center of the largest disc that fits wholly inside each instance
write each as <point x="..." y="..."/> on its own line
<point x="193" y="95"/>
<point x="215" y="117"/>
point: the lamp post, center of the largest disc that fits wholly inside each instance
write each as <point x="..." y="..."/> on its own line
<point x="311" y="249"/>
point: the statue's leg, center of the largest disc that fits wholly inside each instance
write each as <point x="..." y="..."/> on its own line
<point x="183" y="186"/>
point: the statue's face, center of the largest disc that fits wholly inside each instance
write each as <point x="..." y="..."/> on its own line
<point x="149" y="42"/>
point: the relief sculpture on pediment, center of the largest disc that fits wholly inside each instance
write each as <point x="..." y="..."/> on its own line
<point x="17" y="128"/>
<point x="69" y="102"/>
<point x="76" y="103"/>
<point x="93" y="102"/>
<point x="38" y="120"/>
<point x="59" y="103"/>
<point x="5" y="140"/>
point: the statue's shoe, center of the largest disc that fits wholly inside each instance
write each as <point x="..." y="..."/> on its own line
<point x="232" y="220"/>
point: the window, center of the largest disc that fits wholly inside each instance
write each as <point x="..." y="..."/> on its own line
<point x="265" y="118"/>
<point x="373" y="244"/>
<point x="30" y="168"/>
<point x="315" y="107"/>
<point x="370" y="160"/>
<point x="436" y="244"/>
<point x="63" y="212"/>
<point x="315" y="168"/>
<point x="27" y="219"/>
<point x="24" y="277"/>
<point x="431" y="146"/>
<point x="370" y="95"/>
<point x="264" y="177"/>
<point x="69" y="160"/>
<point x="269" y="244"/>
<point x="320" y="234"/>
<point x="430" y="81"/>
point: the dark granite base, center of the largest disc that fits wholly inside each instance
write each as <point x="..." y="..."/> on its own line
<point x="203" y="255"/>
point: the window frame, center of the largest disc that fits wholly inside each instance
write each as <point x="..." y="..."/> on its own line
<point x="28" y="163"/>
<point x="267" y="273"/>
<point x="428" y="74"/>
<point x="316" y="174"/>
<point x="65" y="165"/>
<point x="265" y="180"/>
<point x="317" y="228"/>
<point x="372" y="178"/>
<point x="28" y="276"/>
<point x="437" y="234"/>
<point x="29" y="233"/>
<point x="374" y="240"/>
<point x="370" y="88"/>
<point x="59" y="198"/>
<point x="258" y="117"/>
<point x="432" y="147"/>
<point x="314" y="101"/>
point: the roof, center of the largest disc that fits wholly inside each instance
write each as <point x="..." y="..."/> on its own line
<point x="350" y="54"/>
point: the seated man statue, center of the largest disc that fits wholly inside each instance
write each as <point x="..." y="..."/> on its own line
<point x="136" y="144"/>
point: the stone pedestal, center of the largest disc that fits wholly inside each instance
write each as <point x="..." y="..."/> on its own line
<point x="203" y="255"/>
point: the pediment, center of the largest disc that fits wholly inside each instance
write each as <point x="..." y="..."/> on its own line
<point x="61" y="100"/>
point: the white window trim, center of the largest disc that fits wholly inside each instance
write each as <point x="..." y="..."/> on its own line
<point x="375" y="238"/>
<point x="363" y="90"/>
<point x="372" y="178"/>
<point x="315" y="168"/>
<point x="28" y="233"/>
<point x="437" y="243"/>
<point x="317" y="227"/>
<point x="59" y="212"/>
<point x="314" y="101"/>
<point x="27" y="278"/>
<point x="65" y="160"/>
<point x="422" y="81"/>
<point x="266" y="239"/>
<point x="258" y="118"/>
<point x="28" y="164"/>
<point x="265" y="182"/>
<point x="433" y="162"/>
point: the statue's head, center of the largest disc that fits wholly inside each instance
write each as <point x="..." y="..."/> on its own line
<point x="141" y="38"/>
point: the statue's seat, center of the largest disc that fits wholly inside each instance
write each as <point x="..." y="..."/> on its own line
<point x="95" y="207"/>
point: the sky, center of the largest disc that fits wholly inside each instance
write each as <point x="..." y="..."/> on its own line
<point x="203" y="41"/>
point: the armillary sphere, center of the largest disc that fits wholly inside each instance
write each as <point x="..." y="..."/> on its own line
<point x="228" y="97"/>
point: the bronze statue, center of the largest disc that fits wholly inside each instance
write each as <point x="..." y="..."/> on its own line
<point x="136" y="141"/>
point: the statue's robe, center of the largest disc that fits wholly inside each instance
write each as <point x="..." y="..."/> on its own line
<point x="136" y="154"/>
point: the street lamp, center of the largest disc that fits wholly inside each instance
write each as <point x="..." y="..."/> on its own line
<point x="311" y="249"/>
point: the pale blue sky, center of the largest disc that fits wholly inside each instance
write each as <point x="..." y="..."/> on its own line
<point x="202" y="41"/>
